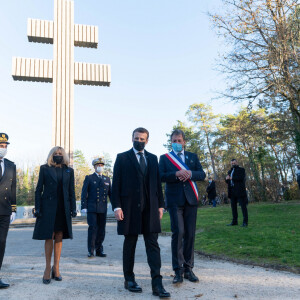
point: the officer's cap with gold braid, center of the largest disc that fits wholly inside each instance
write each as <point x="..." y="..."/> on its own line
<point x="99" y="160"/>
<point x="3" y="138"/>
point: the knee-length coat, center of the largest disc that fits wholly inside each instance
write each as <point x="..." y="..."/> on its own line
<point x="46" y="201"/>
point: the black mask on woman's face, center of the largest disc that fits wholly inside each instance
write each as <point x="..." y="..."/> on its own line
<point x="139" y="146"/>
<point x="57" y="159"/>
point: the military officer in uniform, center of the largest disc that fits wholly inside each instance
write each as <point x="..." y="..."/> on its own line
<point x="7" y="197"/>
<point x="96" y="188"/>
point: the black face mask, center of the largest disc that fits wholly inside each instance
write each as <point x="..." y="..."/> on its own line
<point x="58" y="159"/>
<point x="139" y="146"/>
<point x="235" y="166"/>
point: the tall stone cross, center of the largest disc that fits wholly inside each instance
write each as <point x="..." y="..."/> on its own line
<point x="62" y="71"/>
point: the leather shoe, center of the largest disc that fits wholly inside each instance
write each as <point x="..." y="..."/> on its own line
<point x="178" y="277"/>
<point x="90" y="255"/>
<point x="57" y="278"/>
<point x="244" y="225"/>
<point x="100" y="253"/>
<point x="132" y="286"/>
<point x="3" y="285"/>
<point x="46" y="281"/>
<point x="160" y="292"/>
<point x="232" y="224"/>
<point x="189" y="274"/>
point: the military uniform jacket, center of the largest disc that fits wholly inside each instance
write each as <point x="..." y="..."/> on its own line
<point x="8" y="189"/>
<point x="94" y="193"/>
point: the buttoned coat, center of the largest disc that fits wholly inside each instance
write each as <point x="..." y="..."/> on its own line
<point x="46" y="201"/>
<point x="8" y="189"/>
<point x="94" y="193"/>
<point x="127" y="189"/>
<point x="177" y="191"/>
<point x="238" y="188"/>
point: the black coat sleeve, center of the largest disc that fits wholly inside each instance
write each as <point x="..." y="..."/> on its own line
<point x="84" y="193"/>
<point x="165" y="175"/>
<point x="116" y="184"/>
<point x="109" y="190"/>
<point x="39" y="190"/>
<point x="198" y="174"/>
<point x="72" y="192"/>
<point x="161" y="202"/>
<point x="13" y="199"/>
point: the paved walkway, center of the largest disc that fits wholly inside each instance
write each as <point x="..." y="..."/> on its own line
<point x="102" y="278"/>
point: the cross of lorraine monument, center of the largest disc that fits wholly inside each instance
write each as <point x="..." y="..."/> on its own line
<point x="62" y="71"/>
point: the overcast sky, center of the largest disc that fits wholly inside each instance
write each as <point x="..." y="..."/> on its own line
<point x="162" y="55"/>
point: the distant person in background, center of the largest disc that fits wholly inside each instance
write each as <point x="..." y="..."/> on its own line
<point x="298" y="173"/>
<point x="54" y="207"/>
<point x="211" y="191"/>
<point x="96" y="187"/>
<point x="8" y="206"/>
<point x="236" y="180"/>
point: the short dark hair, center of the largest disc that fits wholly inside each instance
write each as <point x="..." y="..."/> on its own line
<point x="178" y="132"/>
<point x="141" y="130"/>
<point x="233" y="159"/>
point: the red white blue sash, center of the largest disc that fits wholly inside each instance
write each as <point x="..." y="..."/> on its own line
<point x="180" y="165"/>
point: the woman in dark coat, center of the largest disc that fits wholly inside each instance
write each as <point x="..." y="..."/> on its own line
<point x="54" y="206"/>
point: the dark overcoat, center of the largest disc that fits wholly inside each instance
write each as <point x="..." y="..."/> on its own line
<point x="8" y="189"/>
<point x="127" y="189"/>
<point x="239" y="183"/>
<point x="211" y="191"/>
<point x="94" y="193"/>
<point x="46" y="201"/>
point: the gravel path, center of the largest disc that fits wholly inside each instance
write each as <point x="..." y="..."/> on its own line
<point x="102" y="278"/>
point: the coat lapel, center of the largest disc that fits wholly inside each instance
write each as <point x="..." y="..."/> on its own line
<point x="134" y="160"/>
<point x="6" y="168"/>
<point x="52" y="172"/>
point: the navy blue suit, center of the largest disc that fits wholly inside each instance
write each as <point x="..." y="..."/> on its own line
<point x="94" y="198"/>
<point x="182" y="203"/>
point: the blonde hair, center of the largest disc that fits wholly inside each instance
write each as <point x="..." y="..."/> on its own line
<point x="50" y="161"/>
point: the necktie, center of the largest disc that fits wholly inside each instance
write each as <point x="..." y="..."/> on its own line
<point x="0" y="169"/>
<point x="142" y="162"/>
<point x="179" y="154"/>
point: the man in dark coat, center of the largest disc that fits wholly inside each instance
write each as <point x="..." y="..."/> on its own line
<point x="180" y="170"/>
<point x="8" y="206"/>
<point x="211" y="191"/>
<point x="137" y="201"/>
<point x="236" y="179"/>
<point x="96" y="187"/>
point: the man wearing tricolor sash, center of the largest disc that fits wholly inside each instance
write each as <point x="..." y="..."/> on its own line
<point x="180" y="170"/>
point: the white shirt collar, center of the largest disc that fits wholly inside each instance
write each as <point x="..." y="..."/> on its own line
<point x="182" y="152"/>
<point x="136" y="152"/>
<point x="98" y="174"/>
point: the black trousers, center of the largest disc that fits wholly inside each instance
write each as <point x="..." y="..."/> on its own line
<point x="153" y="256"/>
<point x="183" y="226"/>
<point x="96" y="231"/>
<point x="4" y="225"/>
<point x="243" y="202"/>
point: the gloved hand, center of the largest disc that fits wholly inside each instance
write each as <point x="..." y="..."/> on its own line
<point x="84" y="210"/>
<point x="73" y="214"/>
<point x="12" y="217"/>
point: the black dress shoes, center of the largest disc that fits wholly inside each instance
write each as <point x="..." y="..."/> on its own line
<point x="178" y="277"/>
<point x="244" y="225"/>
<point x="160" y="292"/>
<point x="3" y="285"/>
<point x="100" y="253"/>
<point x="232" y="224"/>
<point x="90" y="255"/>
<point x="189" y="274"/>
<point x="132" y="286"/>
<point x="57" y="278"/>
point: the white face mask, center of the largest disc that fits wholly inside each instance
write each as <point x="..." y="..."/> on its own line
<point x="3" y="152"/>
<point x="100" y="170"/>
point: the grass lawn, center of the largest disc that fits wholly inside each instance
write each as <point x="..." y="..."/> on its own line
<point x="272" y="237"/>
